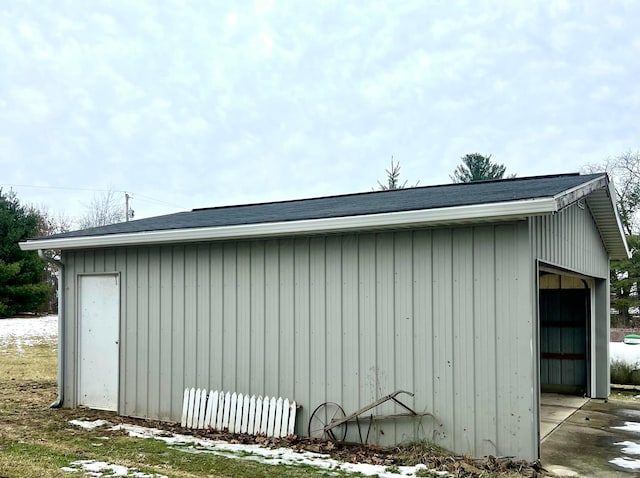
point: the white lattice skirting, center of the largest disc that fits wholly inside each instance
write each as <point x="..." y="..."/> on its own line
<point x="237" y="413"/>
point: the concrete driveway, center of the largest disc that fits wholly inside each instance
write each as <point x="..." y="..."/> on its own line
<point x="601" y="439"/>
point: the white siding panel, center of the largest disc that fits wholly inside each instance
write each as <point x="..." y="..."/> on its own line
<point x="570" y="239"/>
<point x="514" y="341"/>
<point x="317" y="326"/>
<point x="333" y="307"/>
<point x="442" y="297"/>
<point x="229" y="318"/>
<point x="203" y="311"/>
<point x="166" y="324"/>
<point x="154" y="339"/>
<point x="367" y="319"/>
<point x="216" y="316"/>
<point x="177" y="335"/>
<point x="141" y="346"/>
<point x="463" y="339"/>
<point x="286" y="307"/>
<point x="484" y="333"/>
<point x="302" y="326"/>
<point x="190" y="315"/>
<point x="423" y="386"/>
<point x="272" y="319"/>
<point x="350" y="304"/>
<point x="403" y="359"/>
<point x="243" y="321"/>
<point x="385" y="328"/>
<point x="257" y="332"/>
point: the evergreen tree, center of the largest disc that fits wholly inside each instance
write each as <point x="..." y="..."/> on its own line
<point x="393" y="179"/>
<point x="625" y="278"/>
<point x="476" y="167"/>
<point x="21" y="272"/>
<point x="624" y="170"/>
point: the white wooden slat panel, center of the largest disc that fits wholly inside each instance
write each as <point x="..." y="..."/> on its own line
<point x="203" y="404"/>
<point x="245" y="415"/>
<point x="211" y="403"/>
<point x="238" y="420"/>
<point x="272" y="417"/>
<point x="278" y="418"/>
<point x="252" y="415"/>
<point x="185" y="407"/>
<point x="232" y="413"/>
<point x="227" y="410"/>
<point x="292" y="418"/>
<point x="258" y="422"/>
<point x="238" y="413"/>
<point x="265" y="415"/>
<point x="212" y="409"/>
<point x="192" y="393"/>
<point x="285" y="418"/>
<point x="220" y="411"/>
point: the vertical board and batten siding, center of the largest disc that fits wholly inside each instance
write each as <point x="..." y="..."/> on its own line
<point x="570" y="239"/>
<point x="445" y="313"/>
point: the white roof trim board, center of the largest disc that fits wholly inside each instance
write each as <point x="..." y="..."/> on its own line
<point x="596" y="190"/>
<point x="428" y="217"/>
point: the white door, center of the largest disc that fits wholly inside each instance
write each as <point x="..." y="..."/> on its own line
<point x="98" y="323"/>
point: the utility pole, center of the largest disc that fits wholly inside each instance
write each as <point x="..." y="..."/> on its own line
<point x="126" y="206"/>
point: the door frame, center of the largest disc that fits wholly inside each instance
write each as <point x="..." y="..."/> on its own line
<point x="77" y="339"/>
<point x="590" y="321"/>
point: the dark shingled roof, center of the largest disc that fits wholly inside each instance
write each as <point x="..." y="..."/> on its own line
<point x="375" y="202"/>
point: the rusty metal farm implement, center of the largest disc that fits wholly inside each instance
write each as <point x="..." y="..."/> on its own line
<point x="329" y="421"/>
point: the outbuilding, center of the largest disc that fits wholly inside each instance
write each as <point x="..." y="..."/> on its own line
<point x="476" y="297"/>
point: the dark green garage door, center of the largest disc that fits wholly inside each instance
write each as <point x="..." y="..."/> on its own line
<point x="564" y="340"/>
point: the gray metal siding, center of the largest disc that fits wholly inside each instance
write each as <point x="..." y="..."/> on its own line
<point x="445" y="313"/>
<point x="570" y="239"/>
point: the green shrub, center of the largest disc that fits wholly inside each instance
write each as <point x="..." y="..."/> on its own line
<point x="624" y="373"/>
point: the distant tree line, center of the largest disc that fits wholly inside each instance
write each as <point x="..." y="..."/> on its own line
<point x="624" y="169"/>
<point x="473" y="167"/>
<point x="23" y="287"/>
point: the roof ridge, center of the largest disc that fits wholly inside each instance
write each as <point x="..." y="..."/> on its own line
<point x="388" y="191"/>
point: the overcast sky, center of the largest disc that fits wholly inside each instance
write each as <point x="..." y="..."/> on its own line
<point x="190" y="104"/>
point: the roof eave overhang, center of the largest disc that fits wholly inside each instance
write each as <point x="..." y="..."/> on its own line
<point x="501" y="211"/>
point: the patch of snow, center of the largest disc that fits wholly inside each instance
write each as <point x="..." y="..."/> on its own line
<point x="562" y="470"/>
<point x="275" y="456"/>
<point x="628" y="463"/>
<point x="630" y="447"/>
<point x="625" y="353"/>
<point x="629" y="427"/>
<point x="89" y="425"/>
<point x="23" y="332"/>
<point x="101" y="468"/>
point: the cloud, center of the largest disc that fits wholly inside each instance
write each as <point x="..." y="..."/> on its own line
<point x="207" y="103"/>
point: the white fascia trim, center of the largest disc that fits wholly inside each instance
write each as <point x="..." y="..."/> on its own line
<point x="614" y="201"/>
<point x="570" y="196"/>
<point x="424" y="217"/>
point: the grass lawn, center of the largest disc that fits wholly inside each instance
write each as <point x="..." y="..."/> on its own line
<point x="36" y="441"/>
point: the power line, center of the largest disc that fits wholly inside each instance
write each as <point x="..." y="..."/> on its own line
<point x="149" y="198"/>
<point x="61" y="187"/>
<point x="67" y="188"/>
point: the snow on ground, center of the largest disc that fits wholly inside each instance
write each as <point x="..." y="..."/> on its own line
<point x="25" y="332"/>
<point x="101" y="468"/>
<point x="273" y="456"/>
<point x="625" y="353"/>
<point x="628" y="448"/>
